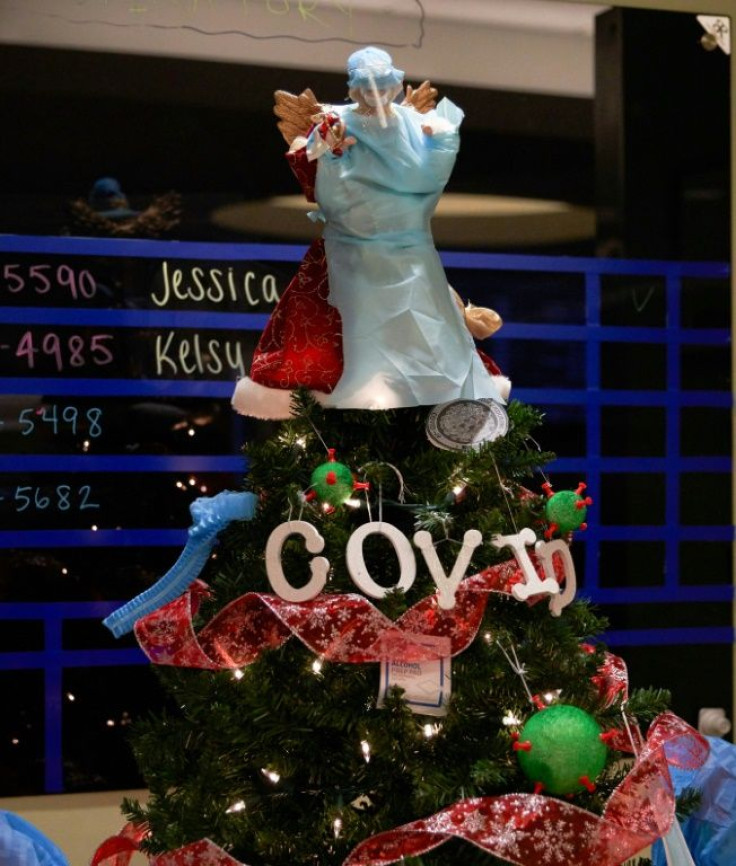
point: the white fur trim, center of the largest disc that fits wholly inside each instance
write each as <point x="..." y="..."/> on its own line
<point x="259" y="401"/>
<point x="503" y="384"/>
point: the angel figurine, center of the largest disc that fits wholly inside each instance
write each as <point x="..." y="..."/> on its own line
<point x="369" y="321"/>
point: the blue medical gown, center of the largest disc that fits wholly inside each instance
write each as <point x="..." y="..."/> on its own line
<point x="405" y="342"/>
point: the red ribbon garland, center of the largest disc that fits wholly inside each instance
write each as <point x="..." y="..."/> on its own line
<point x="343" y="628"/>
<point x="117" y="851"/>
<point x="525" y="829"/>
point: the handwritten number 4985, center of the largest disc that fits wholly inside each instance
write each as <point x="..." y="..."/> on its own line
<point x="74" y="350"/>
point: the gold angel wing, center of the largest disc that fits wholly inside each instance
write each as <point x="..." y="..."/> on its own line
<point x="295" y="113"/>
<point x="421" y="99"/>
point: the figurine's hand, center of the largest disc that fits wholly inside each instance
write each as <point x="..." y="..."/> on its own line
<point x="336" y="138"/>
<point x="422" y="98"/>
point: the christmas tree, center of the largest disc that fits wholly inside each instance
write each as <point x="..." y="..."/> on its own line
<point x="289" y="759"/>
<point x="377" y="666"/>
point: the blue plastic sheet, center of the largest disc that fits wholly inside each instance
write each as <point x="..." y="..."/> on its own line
<point x="21" y="844"/>
<point x="711" y="831"/>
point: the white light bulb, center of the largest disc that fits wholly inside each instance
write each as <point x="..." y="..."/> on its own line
<point x="317" y="666"/>
<point x="365" y="748"/>
<point x="238" y="674"/>
<point x="271" y="775"/>
<point x="337" y="827"/>
<point x="238" y="806"/>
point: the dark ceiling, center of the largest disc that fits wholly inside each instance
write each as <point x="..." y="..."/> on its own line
<point x="207" y="131"/>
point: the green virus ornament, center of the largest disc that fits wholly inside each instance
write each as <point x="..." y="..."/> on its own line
<point x="566" y="510"/>
<point x="332" y="483"/>
<point x="561" y="750"/>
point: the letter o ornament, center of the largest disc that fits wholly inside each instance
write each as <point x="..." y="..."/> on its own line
<point x="356" y="561"/>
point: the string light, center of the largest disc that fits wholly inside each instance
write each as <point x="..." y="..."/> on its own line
<point x="337" y="826"/>
<point x="317" y="666"/>
<point x="511" y="719"/>
<point x="192" y="481"/>
<point x="180" y="485"/>
<point x="430" y="731"/>
<point x="271" y="775"/>
<point x="15" y="741"/>
<point x="551" y="696"/>
<point x="238" y="806"/>
<point x="365" y="748"/>
<point x="110" y="723"/>
<point x="70" y="697"/>
<point x="238" y="674"/>
<point x="85" y="445"/>
<point x="191" y="432"/>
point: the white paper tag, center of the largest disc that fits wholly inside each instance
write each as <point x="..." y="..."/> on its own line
<point x="426" y="684"/>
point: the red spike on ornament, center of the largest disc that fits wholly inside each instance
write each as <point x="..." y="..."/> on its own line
<point x="538" y="787"/>
<point x="587" y="784"/>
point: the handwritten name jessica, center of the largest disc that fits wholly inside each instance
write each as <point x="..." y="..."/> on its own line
<point x="214" y="285"/>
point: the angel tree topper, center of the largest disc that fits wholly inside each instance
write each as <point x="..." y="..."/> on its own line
<point x="369" y="321"/>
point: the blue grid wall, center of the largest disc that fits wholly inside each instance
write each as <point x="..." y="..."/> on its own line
<point x="588" y="396"/>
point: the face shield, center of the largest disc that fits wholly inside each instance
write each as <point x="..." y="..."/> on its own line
<point x="371" y="72"/>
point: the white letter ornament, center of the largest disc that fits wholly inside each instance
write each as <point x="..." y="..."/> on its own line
<point x="546" y="551"/>
<point x="318" y="567"/>
<point x="532" y="585"/>
<point x="356" y="561"/>
<point x="447" y="586"/>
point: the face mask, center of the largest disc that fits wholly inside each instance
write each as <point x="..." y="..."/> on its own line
<point x="383" y="97"/>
